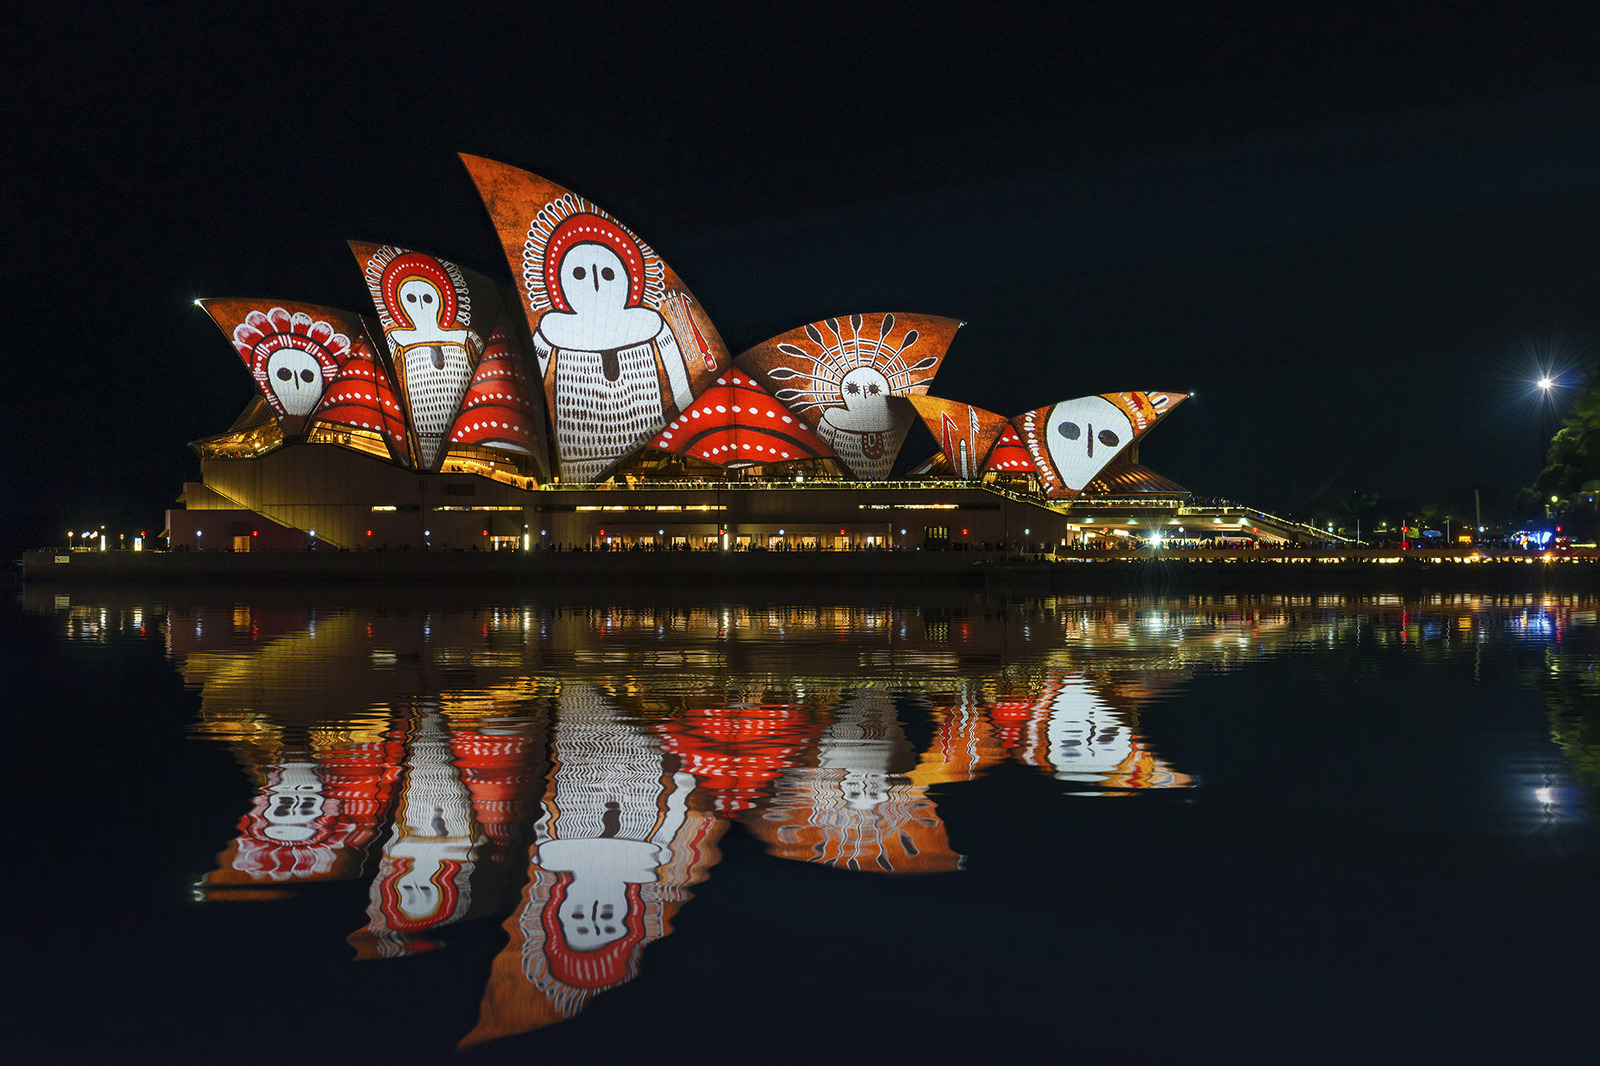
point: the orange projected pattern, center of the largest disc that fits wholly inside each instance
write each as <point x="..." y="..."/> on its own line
<point x="840" y="376"/>
<point x="620" y="341"/>
<point x="965" y="433"/>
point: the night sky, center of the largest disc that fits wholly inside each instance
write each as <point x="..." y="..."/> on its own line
<point x="1356" y="236"/>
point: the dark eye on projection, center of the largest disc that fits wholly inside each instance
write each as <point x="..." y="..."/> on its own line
<point x="284" y="373"/>
<point x="411" y="297"/>
<point x="1069" y="430"/>
<point x="579" y="273"/>
<point x="427" y="297"/>
<point x="852" y="388"/>
<point x="1108" y="438"/>
<point x="307" y="376"/>
<point x="607" y="273"/>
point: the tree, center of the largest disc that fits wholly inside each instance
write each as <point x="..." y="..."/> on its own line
<point x="1573" y="457"/>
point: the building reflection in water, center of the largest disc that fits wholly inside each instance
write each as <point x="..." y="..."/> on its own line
<point x="851" y="803"/>
<point x="571" y="770"/>
<point x="614" y="851"/>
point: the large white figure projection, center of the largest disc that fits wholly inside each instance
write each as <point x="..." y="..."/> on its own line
<point x="619" y="342"/>
<point x="1070" y="442"/>
<point x="425" y="307"/>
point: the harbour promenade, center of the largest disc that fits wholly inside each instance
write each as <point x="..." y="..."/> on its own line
<point x="1221" y="569"/>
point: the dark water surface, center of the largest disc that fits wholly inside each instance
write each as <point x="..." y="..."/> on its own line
<point x="1293" y="829"/>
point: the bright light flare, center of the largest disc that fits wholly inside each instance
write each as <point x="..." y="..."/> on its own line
<point x="1546" y="384"/>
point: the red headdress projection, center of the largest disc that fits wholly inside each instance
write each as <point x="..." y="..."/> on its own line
<point x="292" y="350"/>
<point x="737" y="423"/>
<point x="590" y="228"/>
<point x="362" y="397"/>
<point x="416" y="265"/>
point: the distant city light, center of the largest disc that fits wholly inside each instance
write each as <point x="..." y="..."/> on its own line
<point x="1546" y="384"/>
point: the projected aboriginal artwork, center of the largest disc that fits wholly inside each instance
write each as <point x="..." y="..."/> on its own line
<point x="611" y="355"/>
<point x="499" y="410"/>
<point x="965" y="433"/>
<point x="426" y="308"/>
<point x="737" y="423"/>
<point x="362" y="397"/>
<point x="1010" y="455"/>
<point x="292" y="350"/>
<point x="620" y="343"/>
<point x="1070" y="442"/>
<point x="839" y="375"/>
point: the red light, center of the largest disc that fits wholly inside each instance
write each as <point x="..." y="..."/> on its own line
<point x="255" y="532"/>
<point x="369" y="532"/>
<point x="841" y="532"/>
<point x="602" y="532"/>
<point x="486" y="532"/>
<point x="963" y="532"/>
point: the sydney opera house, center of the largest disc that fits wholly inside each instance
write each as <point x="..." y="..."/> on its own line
<point x="592" y="403"/>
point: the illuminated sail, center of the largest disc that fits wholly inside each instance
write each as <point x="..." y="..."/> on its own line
<point x="292" y="350"/>
<point x="438" y="319"/>
<point x="1072" y="441"/>
<point x="621" y="344"/>
<point x="841" y="374"/>
<point x="737" y="423"/>
<point x="965" y="433"/>
<point x="362" y="397"/>
<point x="1010" y="455"/>
<point x="499" y="410"/>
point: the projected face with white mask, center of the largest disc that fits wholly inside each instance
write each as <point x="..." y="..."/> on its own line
<point x="1083" y="436"/>
<point x="296" y="380"/>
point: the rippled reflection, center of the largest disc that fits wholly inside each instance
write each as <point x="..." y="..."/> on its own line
<point x="570" y="770"/>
